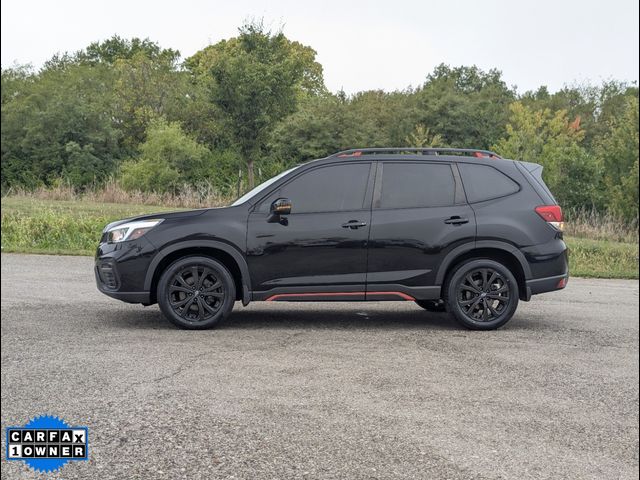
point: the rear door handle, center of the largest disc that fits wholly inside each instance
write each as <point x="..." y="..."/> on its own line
<point x="354" y="224"/>
<point x="456" y="220"/>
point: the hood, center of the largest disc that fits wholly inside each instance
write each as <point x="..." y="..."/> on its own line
<point x="165" y="215"/>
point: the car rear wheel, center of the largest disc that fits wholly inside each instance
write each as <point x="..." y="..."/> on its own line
<point x="482" y="294"/>
<point x="432" y="305"/>
<point x="196" y="292"/>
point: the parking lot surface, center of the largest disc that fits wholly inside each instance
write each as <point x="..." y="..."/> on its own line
<point x="335" y="390"/>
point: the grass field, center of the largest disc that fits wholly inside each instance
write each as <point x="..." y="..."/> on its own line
<point x="73" y="227"/>
<point x="65" y="227"/>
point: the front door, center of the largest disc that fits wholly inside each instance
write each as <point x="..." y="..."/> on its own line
<point x="419" y="215"/>
<point x="319" y="250"/>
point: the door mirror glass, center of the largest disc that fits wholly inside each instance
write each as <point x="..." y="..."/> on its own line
<point x="281" y="206"/>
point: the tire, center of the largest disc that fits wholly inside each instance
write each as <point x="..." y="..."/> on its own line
<point x="432" y="305"/>
<point x="482" y="294"/>
<point x="196" y="292"/>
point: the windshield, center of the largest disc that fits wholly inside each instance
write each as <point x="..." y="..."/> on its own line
<point x="262" y="186"/>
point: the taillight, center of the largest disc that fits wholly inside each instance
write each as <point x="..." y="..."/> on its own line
<point x="551" y="214"/>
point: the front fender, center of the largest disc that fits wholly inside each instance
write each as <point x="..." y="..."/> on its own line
<point x="225" y="247"/>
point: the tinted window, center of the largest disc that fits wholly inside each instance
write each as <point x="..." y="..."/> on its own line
<point x="407" y="185"/>
<point x="326" y="189"/>
<point x="482" y="182"/>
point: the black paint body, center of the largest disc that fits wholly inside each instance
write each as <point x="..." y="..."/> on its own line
<point x="367" y="248"/>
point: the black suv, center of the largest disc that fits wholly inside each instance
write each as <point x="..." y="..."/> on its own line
<point x="454" y="230"/>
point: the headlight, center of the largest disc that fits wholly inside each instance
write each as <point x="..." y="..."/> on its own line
<point x="130" y="230"/>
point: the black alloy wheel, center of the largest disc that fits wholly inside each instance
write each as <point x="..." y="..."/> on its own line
<point x="482" y="294"/>
<point x="196" y="292"/>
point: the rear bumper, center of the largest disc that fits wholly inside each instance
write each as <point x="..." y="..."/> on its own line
<point x="549" y="267"/>
<point x="547" y="284"/>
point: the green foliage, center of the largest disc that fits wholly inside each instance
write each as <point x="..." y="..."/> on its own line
<point x="548" y="138"/>
<point x="465" y="105"/>
<point x="255" y="80"/>
<point x="252" y="105"/>
<point x="168" y="158"/>
<point x="59" y="227"/>
<point x="602" y="259"/>
<point x="48" y="116"/>
<point x="618" y="151"/>
<point x="116" y="49"/>
<point x="421" y="137"/>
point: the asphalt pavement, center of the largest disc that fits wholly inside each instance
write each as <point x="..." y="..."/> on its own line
<point x="322" y="391"/>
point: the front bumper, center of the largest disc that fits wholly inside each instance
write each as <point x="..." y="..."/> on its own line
<point x="120" y="270"/>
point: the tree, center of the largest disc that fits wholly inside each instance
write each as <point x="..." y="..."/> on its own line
<point x="618" y="152"/>
<point x="467" y="106"/>
<point x="53" y="118"/>
<point x="168" y="159"/>
<point x="146" y="88"/>
<point x="422" y="137"/>
<point x="256" y="80"/>
<point x="116" y="48"/>
<point x="552" y="140"/>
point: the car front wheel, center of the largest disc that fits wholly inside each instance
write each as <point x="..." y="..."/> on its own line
<point x="482" y="294"/>
<point x="196" y="292"/>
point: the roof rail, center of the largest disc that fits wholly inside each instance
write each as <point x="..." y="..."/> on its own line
<point x="356" y="152"/>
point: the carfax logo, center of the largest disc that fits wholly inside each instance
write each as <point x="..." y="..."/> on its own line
<point x="47" y="443"/>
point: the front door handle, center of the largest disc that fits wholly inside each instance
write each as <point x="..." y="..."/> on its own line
<point x="456" y="220"/>
<point x="354" y="224"/>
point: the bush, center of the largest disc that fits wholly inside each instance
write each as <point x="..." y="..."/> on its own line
<point x="168" y="159"/>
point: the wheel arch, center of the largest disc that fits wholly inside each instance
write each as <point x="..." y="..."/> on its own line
<point x="226" y="254"/>
<point x="505" y="253"/>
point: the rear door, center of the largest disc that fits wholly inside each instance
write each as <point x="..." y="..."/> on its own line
<point x="419" y="215"/>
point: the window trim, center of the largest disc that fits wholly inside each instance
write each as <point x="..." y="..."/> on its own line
<point x="366" y="202"/>
<point x="490" y="198"/>
<point x="459" y="196"/>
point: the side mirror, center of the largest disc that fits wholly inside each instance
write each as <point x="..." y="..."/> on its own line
<point x="281" y="206"/>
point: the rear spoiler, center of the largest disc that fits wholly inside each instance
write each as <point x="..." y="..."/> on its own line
<point x="535" y="170"/>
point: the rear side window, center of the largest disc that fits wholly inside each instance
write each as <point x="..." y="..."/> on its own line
<point x="334" y="188"/>
<point x="410" y="185"/>
<point x="482" y="182"/>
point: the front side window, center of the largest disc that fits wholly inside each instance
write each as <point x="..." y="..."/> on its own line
<point x="412" y="185"/>
<point x="482" y="182"/>
<point x="334" y="188"/>
<point x="256" y="190"/>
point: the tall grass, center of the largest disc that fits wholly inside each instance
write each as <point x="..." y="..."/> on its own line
<point x="600" y="226"/>
<point x="201" y="196"/>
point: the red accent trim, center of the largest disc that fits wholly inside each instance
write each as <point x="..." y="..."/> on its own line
<point x="317" y="294"/>
<point x="354" y="154"/>
<point x="399" y="294"/>
<point x="336" y="294"/>
<point x="562" y="283"/>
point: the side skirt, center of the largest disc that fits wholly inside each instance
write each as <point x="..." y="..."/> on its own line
<point x="348" y="293"/>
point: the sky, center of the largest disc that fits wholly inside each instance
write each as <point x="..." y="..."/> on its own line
<point x="389" y="45"/>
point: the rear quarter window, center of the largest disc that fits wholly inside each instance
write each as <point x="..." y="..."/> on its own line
<point x="482" y="182"/>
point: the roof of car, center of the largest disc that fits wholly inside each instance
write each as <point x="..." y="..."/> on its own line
<point x="420" y="152"/>
<point x="404" y="153"/>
